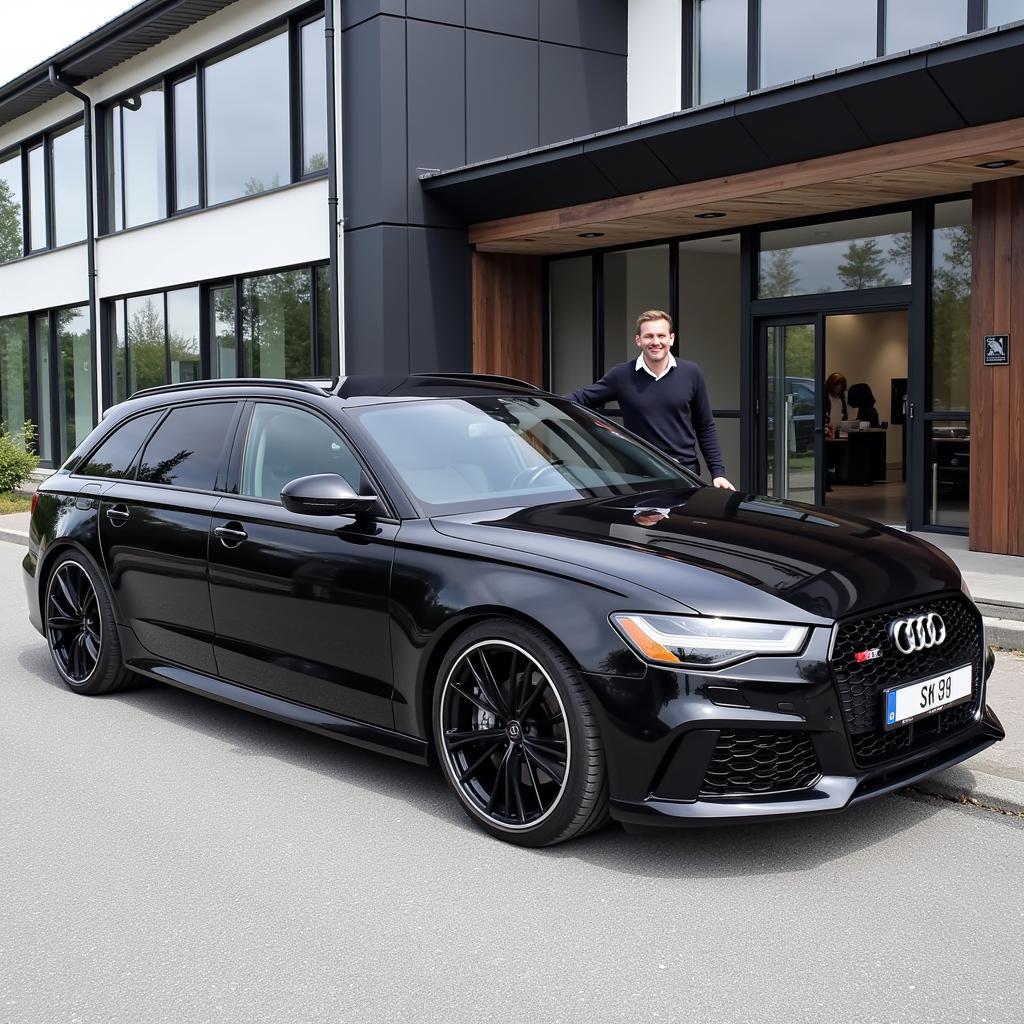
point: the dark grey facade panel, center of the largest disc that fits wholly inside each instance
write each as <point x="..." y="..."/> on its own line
<point x="355" y="11"/>
<point x="374" y="116"/>
<point x="502" y="90"/>
<point x="596" y="24"/>
<point x="450" y="12"/>
<point x="436" y="86"/>
<point x="513" y="17"/>
<point x="581" y="91"/>
<point x="376" y="300"/>
<point x="439" y="300"/>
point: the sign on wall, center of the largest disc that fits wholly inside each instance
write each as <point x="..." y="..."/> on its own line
<point x="997" y="349"/>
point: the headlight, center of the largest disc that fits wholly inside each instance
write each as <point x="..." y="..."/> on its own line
<point x="689" y="641"/>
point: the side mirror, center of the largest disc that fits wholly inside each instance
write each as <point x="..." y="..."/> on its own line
<point x="325" y="494"/>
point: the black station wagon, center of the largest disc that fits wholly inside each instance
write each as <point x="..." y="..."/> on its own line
<point x="473" y="571"/>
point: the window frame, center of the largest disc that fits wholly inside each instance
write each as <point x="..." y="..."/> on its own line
<point x="291" y="24"/>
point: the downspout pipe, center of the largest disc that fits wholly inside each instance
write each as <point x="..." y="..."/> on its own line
<point x="332" y="189"/>
<point x="90" y="225"/>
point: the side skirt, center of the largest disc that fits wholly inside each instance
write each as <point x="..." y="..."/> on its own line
<point x="326" y="723"/>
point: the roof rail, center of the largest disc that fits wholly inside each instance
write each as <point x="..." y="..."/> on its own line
<point x="495" y="378"/>
<point x="309" y="386"/>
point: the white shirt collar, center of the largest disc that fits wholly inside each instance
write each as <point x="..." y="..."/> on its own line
<point x="641" y="365"/>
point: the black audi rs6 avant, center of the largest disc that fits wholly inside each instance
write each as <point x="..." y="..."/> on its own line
<point x="472" y="570"/>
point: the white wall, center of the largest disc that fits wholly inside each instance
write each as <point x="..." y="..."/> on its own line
<point x="263" y="232"/>
<point x="48" y="279"/>
<point x="870" y="347"/>
<point x="654" y="60"/>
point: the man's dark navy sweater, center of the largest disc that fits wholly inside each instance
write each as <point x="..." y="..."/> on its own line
<point x="673" y="412"/>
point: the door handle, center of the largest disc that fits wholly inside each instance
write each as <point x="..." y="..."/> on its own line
<point x="118" y="515"/>
<point x="230" y="534"/>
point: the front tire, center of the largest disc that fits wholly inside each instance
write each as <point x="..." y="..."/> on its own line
<point x="80" y="628"/>
<point x="516" y="736"/>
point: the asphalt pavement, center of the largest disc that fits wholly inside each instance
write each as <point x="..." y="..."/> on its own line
<point x="167" y="858"/>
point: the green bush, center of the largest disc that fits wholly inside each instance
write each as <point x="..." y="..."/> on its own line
<point x="17" y="456"/>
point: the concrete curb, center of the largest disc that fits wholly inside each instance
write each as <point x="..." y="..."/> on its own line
<point x="990" y="790"/>
<point x="14" y="537"/>
<point x="1006" y="633"/>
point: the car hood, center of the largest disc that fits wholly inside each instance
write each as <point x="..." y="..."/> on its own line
<point x="721" y="552"/>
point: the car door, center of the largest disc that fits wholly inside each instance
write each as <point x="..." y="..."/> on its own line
<point x="300" y="602"/>
<point x="154" y="532"/>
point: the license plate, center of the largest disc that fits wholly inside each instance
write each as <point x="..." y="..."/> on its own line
<point x="908" y="703"/>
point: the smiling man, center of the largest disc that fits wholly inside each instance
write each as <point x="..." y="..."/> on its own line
<point x="663" y="399"/>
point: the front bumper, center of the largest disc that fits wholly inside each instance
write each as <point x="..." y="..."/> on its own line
<point x="773" y="737"/>
<point x="829" y="793"/>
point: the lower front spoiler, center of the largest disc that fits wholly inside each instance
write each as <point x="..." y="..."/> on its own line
<point x="829" y="793"/>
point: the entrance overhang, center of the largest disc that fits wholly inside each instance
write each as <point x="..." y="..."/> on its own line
<point x="895" y="129"/>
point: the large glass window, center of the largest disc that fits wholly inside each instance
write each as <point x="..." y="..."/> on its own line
<point x="722" y="49"/>
<point x="870" y="252"/>
<point x="910" y="23"/>
<point x="136" y="139"/>
<point x="224" y="361"/>
<point x="951" y="307"/>
<point x="949" y="472"/>
<point x="247" y="137"/>
<point x="147" y="358"/>
<point x="1002" y="12"/>
<point x="75" y="376"/>
<point x="15" y="393"/>
<point x="37" y="218"/>
<point x="314" y="97"/>
<point x="44" y="377"/>
<point x="634" y="281"/>
<point x="183" y="334"/>
<point x="802" y="37"/>
<point x="11" y="239"/>
<point x="67" y="152"/>
<point x="185" y="451"/>
<point x="323" y="320"/>
<point x="571" y="323"/>
<point x="276" y="324"/>
<point x="186" y="145"/>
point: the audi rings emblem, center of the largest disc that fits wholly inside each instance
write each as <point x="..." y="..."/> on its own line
<point x="918" y="633"/>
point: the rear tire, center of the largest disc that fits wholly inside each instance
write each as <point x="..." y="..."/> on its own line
<point x="80" y="628"/>
<point x="517" y="738"/>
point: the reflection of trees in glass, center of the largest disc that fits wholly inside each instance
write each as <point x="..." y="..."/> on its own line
<point x="800" y="350"/>
<point x="254" y="186"/>
<point x="316" y="162"/>
<point x="951" y="318"/>
<point x="276" y="324"/>
<point x="146" y="345"/>
<point x="163" y="472"/>
<point x="900" y="253"/>
<point x="863" y="266"/>
<point x="10" y="224"/>
<point x="14" y="370"/>
<point x="779" y="275"/>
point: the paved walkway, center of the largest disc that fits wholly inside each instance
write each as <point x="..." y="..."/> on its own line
<point x="995" y="579"/>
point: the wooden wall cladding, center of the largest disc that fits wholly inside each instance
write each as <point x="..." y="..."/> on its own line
<point x="997" y="392"/>
<point x="508" y="315"/>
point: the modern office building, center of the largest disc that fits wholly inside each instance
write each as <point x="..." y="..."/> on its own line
<point x="502" y="185"/>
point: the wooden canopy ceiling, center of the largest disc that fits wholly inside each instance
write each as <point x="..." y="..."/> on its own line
<point x="914" y="169"/>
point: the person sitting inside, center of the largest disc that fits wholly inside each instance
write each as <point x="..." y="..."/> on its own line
<point x="863" y="400"/>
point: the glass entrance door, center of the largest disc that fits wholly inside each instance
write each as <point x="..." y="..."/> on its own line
<point x="790" y="410"/>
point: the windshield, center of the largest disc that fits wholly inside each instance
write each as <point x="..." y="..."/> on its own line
<point x="468" y="454"/>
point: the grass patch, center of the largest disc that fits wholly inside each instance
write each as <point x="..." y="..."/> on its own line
<point x="11" y="502"/>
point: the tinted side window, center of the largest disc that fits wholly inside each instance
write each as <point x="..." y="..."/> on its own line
<point x="186" y="449"/>
<point x="285" y="443"/>
<point x="115" y="456"/>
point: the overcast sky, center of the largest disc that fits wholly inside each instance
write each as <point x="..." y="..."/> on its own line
<point x="35" y="30"/>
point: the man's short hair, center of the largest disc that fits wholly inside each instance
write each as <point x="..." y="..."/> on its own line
<point x="652" y="314"/>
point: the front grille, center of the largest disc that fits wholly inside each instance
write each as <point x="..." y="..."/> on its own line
<point x="760" y="762"/>
<point x="861" y="685"/>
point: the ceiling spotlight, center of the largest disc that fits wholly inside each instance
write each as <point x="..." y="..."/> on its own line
<point x="709" y="215"/>
<point x="995" y="165"/>
<point x="591" y="234"/>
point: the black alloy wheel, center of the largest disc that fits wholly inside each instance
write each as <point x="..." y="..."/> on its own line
<point x="80" y="629"/>
<point x="517" y="740"/>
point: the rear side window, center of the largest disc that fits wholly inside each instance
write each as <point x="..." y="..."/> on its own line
<point x="186" y="449"/>
<point x="115" y="457"/>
